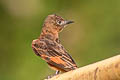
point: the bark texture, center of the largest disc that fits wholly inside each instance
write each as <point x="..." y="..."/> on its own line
<point x="108" y="69"/>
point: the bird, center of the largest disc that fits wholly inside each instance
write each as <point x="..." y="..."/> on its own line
<point x="49" y="47"/>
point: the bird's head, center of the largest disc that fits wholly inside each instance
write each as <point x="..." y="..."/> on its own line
<point x="55" y="22"/>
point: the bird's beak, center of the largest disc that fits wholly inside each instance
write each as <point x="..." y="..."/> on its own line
<point x="68" y="22"/>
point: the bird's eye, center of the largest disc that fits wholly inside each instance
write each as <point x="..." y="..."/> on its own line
<point x="59" y="22"/>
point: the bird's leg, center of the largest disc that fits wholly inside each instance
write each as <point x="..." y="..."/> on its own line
<point x="48" y="77"/>
<point x="57" y="72"/>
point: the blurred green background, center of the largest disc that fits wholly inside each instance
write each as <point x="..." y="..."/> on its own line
<point x="94" y="36"/>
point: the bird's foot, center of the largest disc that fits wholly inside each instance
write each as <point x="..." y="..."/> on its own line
<point x="56" y="73"/>
<point x="49" y="77"/>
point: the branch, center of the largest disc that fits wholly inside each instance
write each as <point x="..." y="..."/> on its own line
<point x="108" y="69"/>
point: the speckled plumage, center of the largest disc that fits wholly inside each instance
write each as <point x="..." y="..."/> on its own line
<point x="48" y="45"/>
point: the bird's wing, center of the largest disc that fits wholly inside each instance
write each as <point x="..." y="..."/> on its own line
<point x="54" y="54"/>
<point x="59" y="56"/>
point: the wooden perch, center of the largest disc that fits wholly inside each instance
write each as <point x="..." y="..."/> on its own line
<point x="108" y="69"/>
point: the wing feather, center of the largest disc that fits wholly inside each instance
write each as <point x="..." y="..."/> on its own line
<point x="54" y="54"/>
<point x="59" y="51"/>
